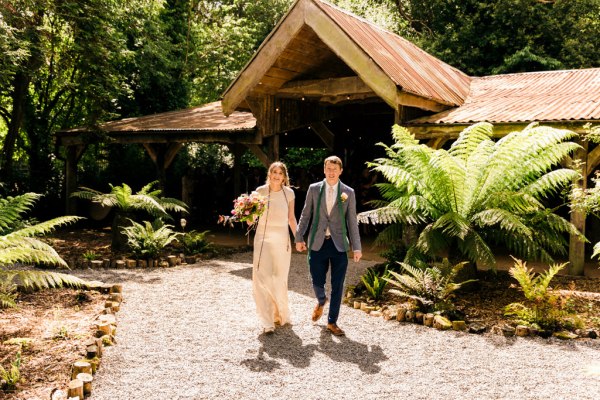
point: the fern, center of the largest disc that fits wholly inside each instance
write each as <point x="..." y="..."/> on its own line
<point x="542" y="306"/>
<point x="431" y="286"/>
<point x="478" y="190"/>
<point x="11" y="377"/>
<point x="149" y="239"/>
<point x="196" y="243"/>
<point x="22" y="245"/>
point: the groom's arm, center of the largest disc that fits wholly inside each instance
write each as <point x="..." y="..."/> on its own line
<point x="352" y="223"/>
<point x="305" y="216"/>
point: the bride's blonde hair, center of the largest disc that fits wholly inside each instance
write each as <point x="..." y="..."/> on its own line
<point x="279" y="164"/>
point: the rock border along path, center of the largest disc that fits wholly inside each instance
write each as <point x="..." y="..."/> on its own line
<point x="190" y="332"/>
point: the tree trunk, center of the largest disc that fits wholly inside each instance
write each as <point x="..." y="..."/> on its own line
<point x="20" y="84"/>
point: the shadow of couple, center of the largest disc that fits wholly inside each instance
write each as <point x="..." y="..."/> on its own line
<point x="286" y="345"/>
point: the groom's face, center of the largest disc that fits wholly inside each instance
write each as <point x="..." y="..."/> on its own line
<point x="332" y="172"/>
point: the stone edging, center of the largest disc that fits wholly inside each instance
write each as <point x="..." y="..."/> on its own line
<point x="105" y="325"/>
<point x="405" y="314"/>
<point x="131" y="263"/>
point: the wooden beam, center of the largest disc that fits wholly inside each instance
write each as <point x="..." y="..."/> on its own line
<point x="73" y="154"/>
<point x="428" y="131"/>
<point x="171" y="152"/>
<point x="260" y="154"/>
<point x="437" y="143"/>
<point x="324" y="134"/>
<point x="324" y="87"/>
<point x="593" y="159"/>
<point x="411" y="100"/>
<point x="242" y="136"/>
<point x="162" y="155"/>
<point x="264" y="58"/>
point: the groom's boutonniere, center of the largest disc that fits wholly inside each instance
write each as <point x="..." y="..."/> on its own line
<point x="343" y="197"/>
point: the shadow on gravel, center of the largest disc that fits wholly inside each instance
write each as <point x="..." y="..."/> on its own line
<point x="346" y="350"/>
<point x="284" y="344"/>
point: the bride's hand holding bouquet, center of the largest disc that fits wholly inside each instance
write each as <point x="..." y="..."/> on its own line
<point x="248" y="208"/>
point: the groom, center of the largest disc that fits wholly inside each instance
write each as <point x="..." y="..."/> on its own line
<point x="332" y="207"/>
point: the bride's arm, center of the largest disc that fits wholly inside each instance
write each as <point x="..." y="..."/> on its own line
<point x="292" y="217"/>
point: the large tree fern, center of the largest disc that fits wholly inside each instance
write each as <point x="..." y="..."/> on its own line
<point x="126" y="203"/>
<point x="478" y="193"/>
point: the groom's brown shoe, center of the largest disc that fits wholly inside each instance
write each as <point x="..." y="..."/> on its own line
<point x="335" y="330"/>
<point x="318" y="311"/>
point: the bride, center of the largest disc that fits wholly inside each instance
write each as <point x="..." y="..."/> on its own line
<point x="272" y="249"/>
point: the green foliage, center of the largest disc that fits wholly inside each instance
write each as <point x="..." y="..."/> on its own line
<point x="196" y="243"/>
<point x="375" y="283"/>
<point x="8" y="293"/>
<point x="12" y="376"/>
<point x="149" y="239"/>
<point x="90" y="255"/>
<point x="148" y="199"/>
<point x="22" y="245"/>
<point x="383" y="13"/>
<point x="543" y="307"/>
<point x="505" y="36"/>
<point x="19" y="243"/>
<point x="228" y="33"/>
<point x="477" y="193"/>
<point x="431" y="286"/>
<point x="126" y="203"/>
<point x="304" y="157"/>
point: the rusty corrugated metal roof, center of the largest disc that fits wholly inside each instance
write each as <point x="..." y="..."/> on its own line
<point x="569" y="95"/>
<point x="411" y="68"/>
<point x="207" y="117"/>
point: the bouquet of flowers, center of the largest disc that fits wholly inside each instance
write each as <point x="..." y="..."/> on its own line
<point x="247" y="208"/>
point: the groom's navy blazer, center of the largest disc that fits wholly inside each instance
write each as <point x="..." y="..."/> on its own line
<point x="333" y="220"/>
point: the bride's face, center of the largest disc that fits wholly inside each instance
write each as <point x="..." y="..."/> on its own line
<point x="276" y="176"/>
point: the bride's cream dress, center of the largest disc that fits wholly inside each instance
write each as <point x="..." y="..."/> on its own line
<point x="272" y="256"/>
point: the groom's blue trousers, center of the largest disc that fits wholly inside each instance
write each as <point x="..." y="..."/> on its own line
<point x="320" y="260"/>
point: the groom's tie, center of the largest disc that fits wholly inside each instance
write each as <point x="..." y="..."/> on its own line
<point x="329" y="199"/>
<point x="329" y="204"/>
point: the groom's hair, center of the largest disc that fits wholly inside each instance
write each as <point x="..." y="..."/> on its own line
<point x="334" y="160"/>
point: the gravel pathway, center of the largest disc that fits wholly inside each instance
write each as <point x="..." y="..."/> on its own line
<point x="190" y="332"/>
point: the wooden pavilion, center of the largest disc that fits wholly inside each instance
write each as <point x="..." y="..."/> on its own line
<point x="326" y="75"/>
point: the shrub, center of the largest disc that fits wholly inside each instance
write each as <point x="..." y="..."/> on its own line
<point x="375" y="282"/>
<point x="543" y="307"/>
<point x="432" y="286"/>
<point x="11" y="377"/>
<point x="149" y="239"/>
<point x="196" y="243"/>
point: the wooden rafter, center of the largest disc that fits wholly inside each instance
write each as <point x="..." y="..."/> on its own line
<point x="324" y="133"/>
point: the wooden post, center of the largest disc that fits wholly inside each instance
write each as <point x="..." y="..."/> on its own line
<point x="238" y="151"/>
<point x="162" y="155"/>
<point x="74" y="153"/>
<point x="576" y="245"/>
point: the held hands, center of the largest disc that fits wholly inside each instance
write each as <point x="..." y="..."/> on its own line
<point x="300" y="246"/>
